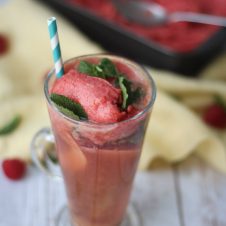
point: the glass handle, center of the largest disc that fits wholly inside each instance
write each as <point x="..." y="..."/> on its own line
<point x="43" y="153"/>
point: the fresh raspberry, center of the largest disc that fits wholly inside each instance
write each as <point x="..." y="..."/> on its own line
<point x="215" y="116"/>
<point x="14" y="169"/>
<point x="4" y="44"/>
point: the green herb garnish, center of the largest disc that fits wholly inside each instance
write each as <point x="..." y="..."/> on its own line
<point x="68" y="112"/>
<point x="91" y="69"/>
<point x="68" y="107"/>
<point x="129" y="95"/>
<point x="106" y="69"/>
<point x="124" y="91"/>
<point x="133" y="95"/>
<point x="11" y="125"/>
<point x="220" y="101"/>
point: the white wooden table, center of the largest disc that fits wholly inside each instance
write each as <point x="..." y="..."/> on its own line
<point x="186" y="194"/>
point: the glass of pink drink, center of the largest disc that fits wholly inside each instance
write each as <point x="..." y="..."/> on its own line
<point x="98" y="160"/>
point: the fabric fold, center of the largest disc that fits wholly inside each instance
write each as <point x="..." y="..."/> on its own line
<point x="174" y="132"/>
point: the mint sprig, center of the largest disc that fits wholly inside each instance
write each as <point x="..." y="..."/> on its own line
<point x="220" y="101"/>
<point x="91" y="69"/>
<point x="133" y="95"/>
<point x="130" y="95"/>
<point x="106" y="69"/>
<point x="11" y="125"/>
<point x="123" y="88"/>
<point x="67" y="112"/>
<point x="68" y="107"/>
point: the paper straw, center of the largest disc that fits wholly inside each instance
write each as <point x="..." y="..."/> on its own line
<point x="55" y="45"/>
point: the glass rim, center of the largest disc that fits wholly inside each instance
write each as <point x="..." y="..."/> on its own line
<point x="89" y="123"/>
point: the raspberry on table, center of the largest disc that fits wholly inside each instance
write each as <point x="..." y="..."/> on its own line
<point x="215" y="116"/>
<point x="4" y="44"/>
<point x="14" y="168"/>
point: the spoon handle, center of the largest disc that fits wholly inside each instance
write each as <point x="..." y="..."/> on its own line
<point x="198" y="18"/>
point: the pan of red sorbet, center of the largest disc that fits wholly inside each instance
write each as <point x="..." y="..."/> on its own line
<point x="181" y="47"/>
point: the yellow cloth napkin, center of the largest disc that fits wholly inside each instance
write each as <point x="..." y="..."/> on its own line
<point x="175" y="129"/>
<point x="195" y="93"/>
<point x="174" y="132"/>
<point x="33" y="111"/>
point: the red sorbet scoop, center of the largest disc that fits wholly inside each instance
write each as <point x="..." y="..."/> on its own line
<point x="97" y="96"/>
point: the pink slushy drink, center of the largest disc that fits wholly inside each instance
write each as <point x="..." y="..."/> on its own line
<point x="99" y="111"/>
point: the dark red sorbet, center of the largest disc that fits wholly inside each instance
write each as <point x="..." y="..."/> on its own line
<point x="180" y="37"/>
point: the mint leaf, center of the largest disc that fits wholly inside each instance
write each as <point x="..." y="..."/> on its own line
<point x="67" y="112"/>
<point x="85" y="67"/>
<point x="11" y="125"/>
<point x="220" y="101"/>
<point x="67" y="106"/>
<point x="133" y="95"/>
<point x="108" y="68"/>
<point x="105" y="69"/>
<point x="130" y="95"/>
<point x="90" y="69"/>
<point x="124" y="92"/>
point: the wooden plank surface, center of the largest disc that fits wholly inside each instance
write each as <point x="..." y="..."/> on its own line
<point x="186" y="194"/>
<point x="154" y="193"/>
<point x="34" y="201"/>
<point x="203" y="194"/>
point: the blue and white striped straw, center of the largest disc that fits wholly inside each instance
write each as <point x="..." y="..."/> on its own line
<point x="55" y="45"/>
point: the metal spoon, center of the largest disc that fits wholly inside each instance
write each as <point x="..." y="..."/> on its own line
<point x="150" y="13"/>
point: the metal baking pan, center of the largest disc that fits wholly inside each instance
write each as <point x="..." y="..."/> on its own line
<point x="119" y="41"/>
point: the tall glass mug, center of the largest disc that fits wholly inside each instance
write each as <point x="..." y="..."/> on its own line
<point x="98" y="161"/>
